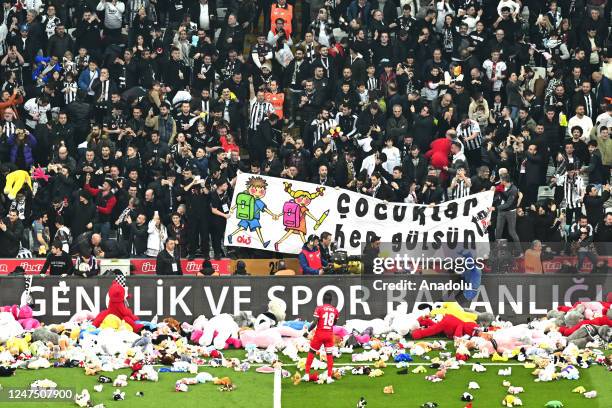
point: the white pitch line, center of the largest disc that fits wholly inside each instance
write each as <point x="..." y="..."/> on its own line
<point x="391" y="364"/>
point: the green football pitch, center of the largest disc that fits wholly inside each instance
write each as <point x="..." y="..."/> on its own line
<point x="256" y="390"/>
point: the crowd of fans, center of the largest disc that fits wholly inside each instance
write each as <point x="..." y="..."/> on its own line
<point x="143" y="112"/>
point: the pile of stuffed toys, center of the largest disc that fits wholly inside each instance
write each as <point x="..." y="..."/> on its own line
<point x="556" y="347"/>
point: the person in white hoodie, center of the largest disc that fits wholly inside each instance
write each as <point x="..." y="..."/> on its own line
<point x="157" y="236"/>
<point x="113" y="18"/>
<point x="393" y="155"/>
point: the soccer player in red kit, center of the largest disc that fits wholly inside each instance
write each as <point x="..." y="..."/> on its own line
<point x="325" y="316"/>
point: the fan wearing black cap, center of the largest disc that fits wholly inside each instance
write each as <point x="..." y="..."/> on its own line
<point x="310" y="258"/>
<point x="105" y="201"/>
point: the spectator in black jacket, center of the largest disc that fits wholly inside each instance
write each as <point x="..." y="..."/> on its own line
<point x="603" y="235"/>
<point x="60" y="42"/>
<point x="598" y="174"/>
<point x="398" y="184"/>
<point x="415" y="166"/>
<point x="272" y="166"/>
<point x="378" y="188"/>
<point x="534" y="174"/>
<point x="167" y="262"/>
<point x="506" y="211"/>
<point x="138" y="235"/>
<point x="82" y="214"/>
<point x="11" y="234"/>
<point x="594" y="203"/>
<point x="58" y="262"/>
<point x="431" y="193"/>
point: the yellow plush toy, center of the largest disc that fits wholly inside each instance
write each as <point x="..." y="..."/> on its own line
<point x="18" y="345"/>
<point x="113" y="322"/>
<point x="453" y="308"/>
<point x="15" y="181"/>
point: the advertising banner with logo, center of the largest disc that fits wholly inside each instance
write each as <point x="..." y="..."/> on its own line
<point x="278" y="215"/>
<point x="511" y="296"/>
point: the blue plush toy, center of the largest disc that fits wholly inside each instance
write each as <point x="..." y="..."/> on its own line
<point x="296" y="324"/>
<point x="403" y="357"/>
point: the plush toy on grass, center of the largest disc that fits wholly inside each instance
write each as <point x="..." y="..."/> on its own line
<point x="453" y="308"/>
<point x="450" y="326"/>
<point x="515" y="390"/>
<point x="605" y="320"/>
<point x="505" y="371"/>
<point x="9" y="326"/>
<point x="117" y="307"/>
<point x="478" y="368"/>
<point x="118" y="395"/>
<point x="6" y="371"/>
<point x="554" y="404"/>
<point x="466" y="396"/>
<point x="511" y="401"/>
<point x="83" y="399"/>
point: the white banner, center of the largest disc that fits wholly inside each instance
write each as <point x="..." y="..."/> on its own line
<point x="278" y="215"/>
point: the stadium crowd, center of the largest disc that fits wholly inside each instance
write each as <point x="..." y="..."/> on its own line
<point x="143" y="112"/>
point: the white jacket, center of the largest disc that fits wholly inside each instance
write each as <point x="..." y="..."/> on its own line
<point x="113" y="14"/>
<point x="156" y="239"/>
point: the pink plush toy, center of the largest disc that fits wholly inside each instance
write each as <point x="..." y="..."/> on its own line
<point x="591" y="309"/>
<point x="340" y="331"/>
<point x="24" y="316"/>
<point x="508" y="339"/>
<point x="82" y="316"/>
<point x="264" y="338"/>
<point x="233" y="342"/>
<point x="196" y="335"/>
<point x="261" y="338"/>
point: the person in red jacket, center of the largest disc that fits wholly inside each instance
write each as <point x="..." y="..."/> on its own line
<point x="310" y="259"/>
<point x="105" y="201"/>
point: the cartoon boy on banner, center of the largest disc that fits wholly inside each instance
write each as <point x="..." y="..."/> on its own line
<point x="249" y="207"/>
<point x="295" y="212"/>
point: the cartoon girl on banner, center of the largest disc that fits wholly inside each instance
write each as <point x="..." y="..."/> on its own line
<point x="295" y="212"/>
<point x="249" y="207"/>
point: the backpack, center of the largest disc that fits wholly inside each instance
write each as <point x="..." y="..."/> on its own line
<point x="291" y="214"/>
<point x="245" y="206"/>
